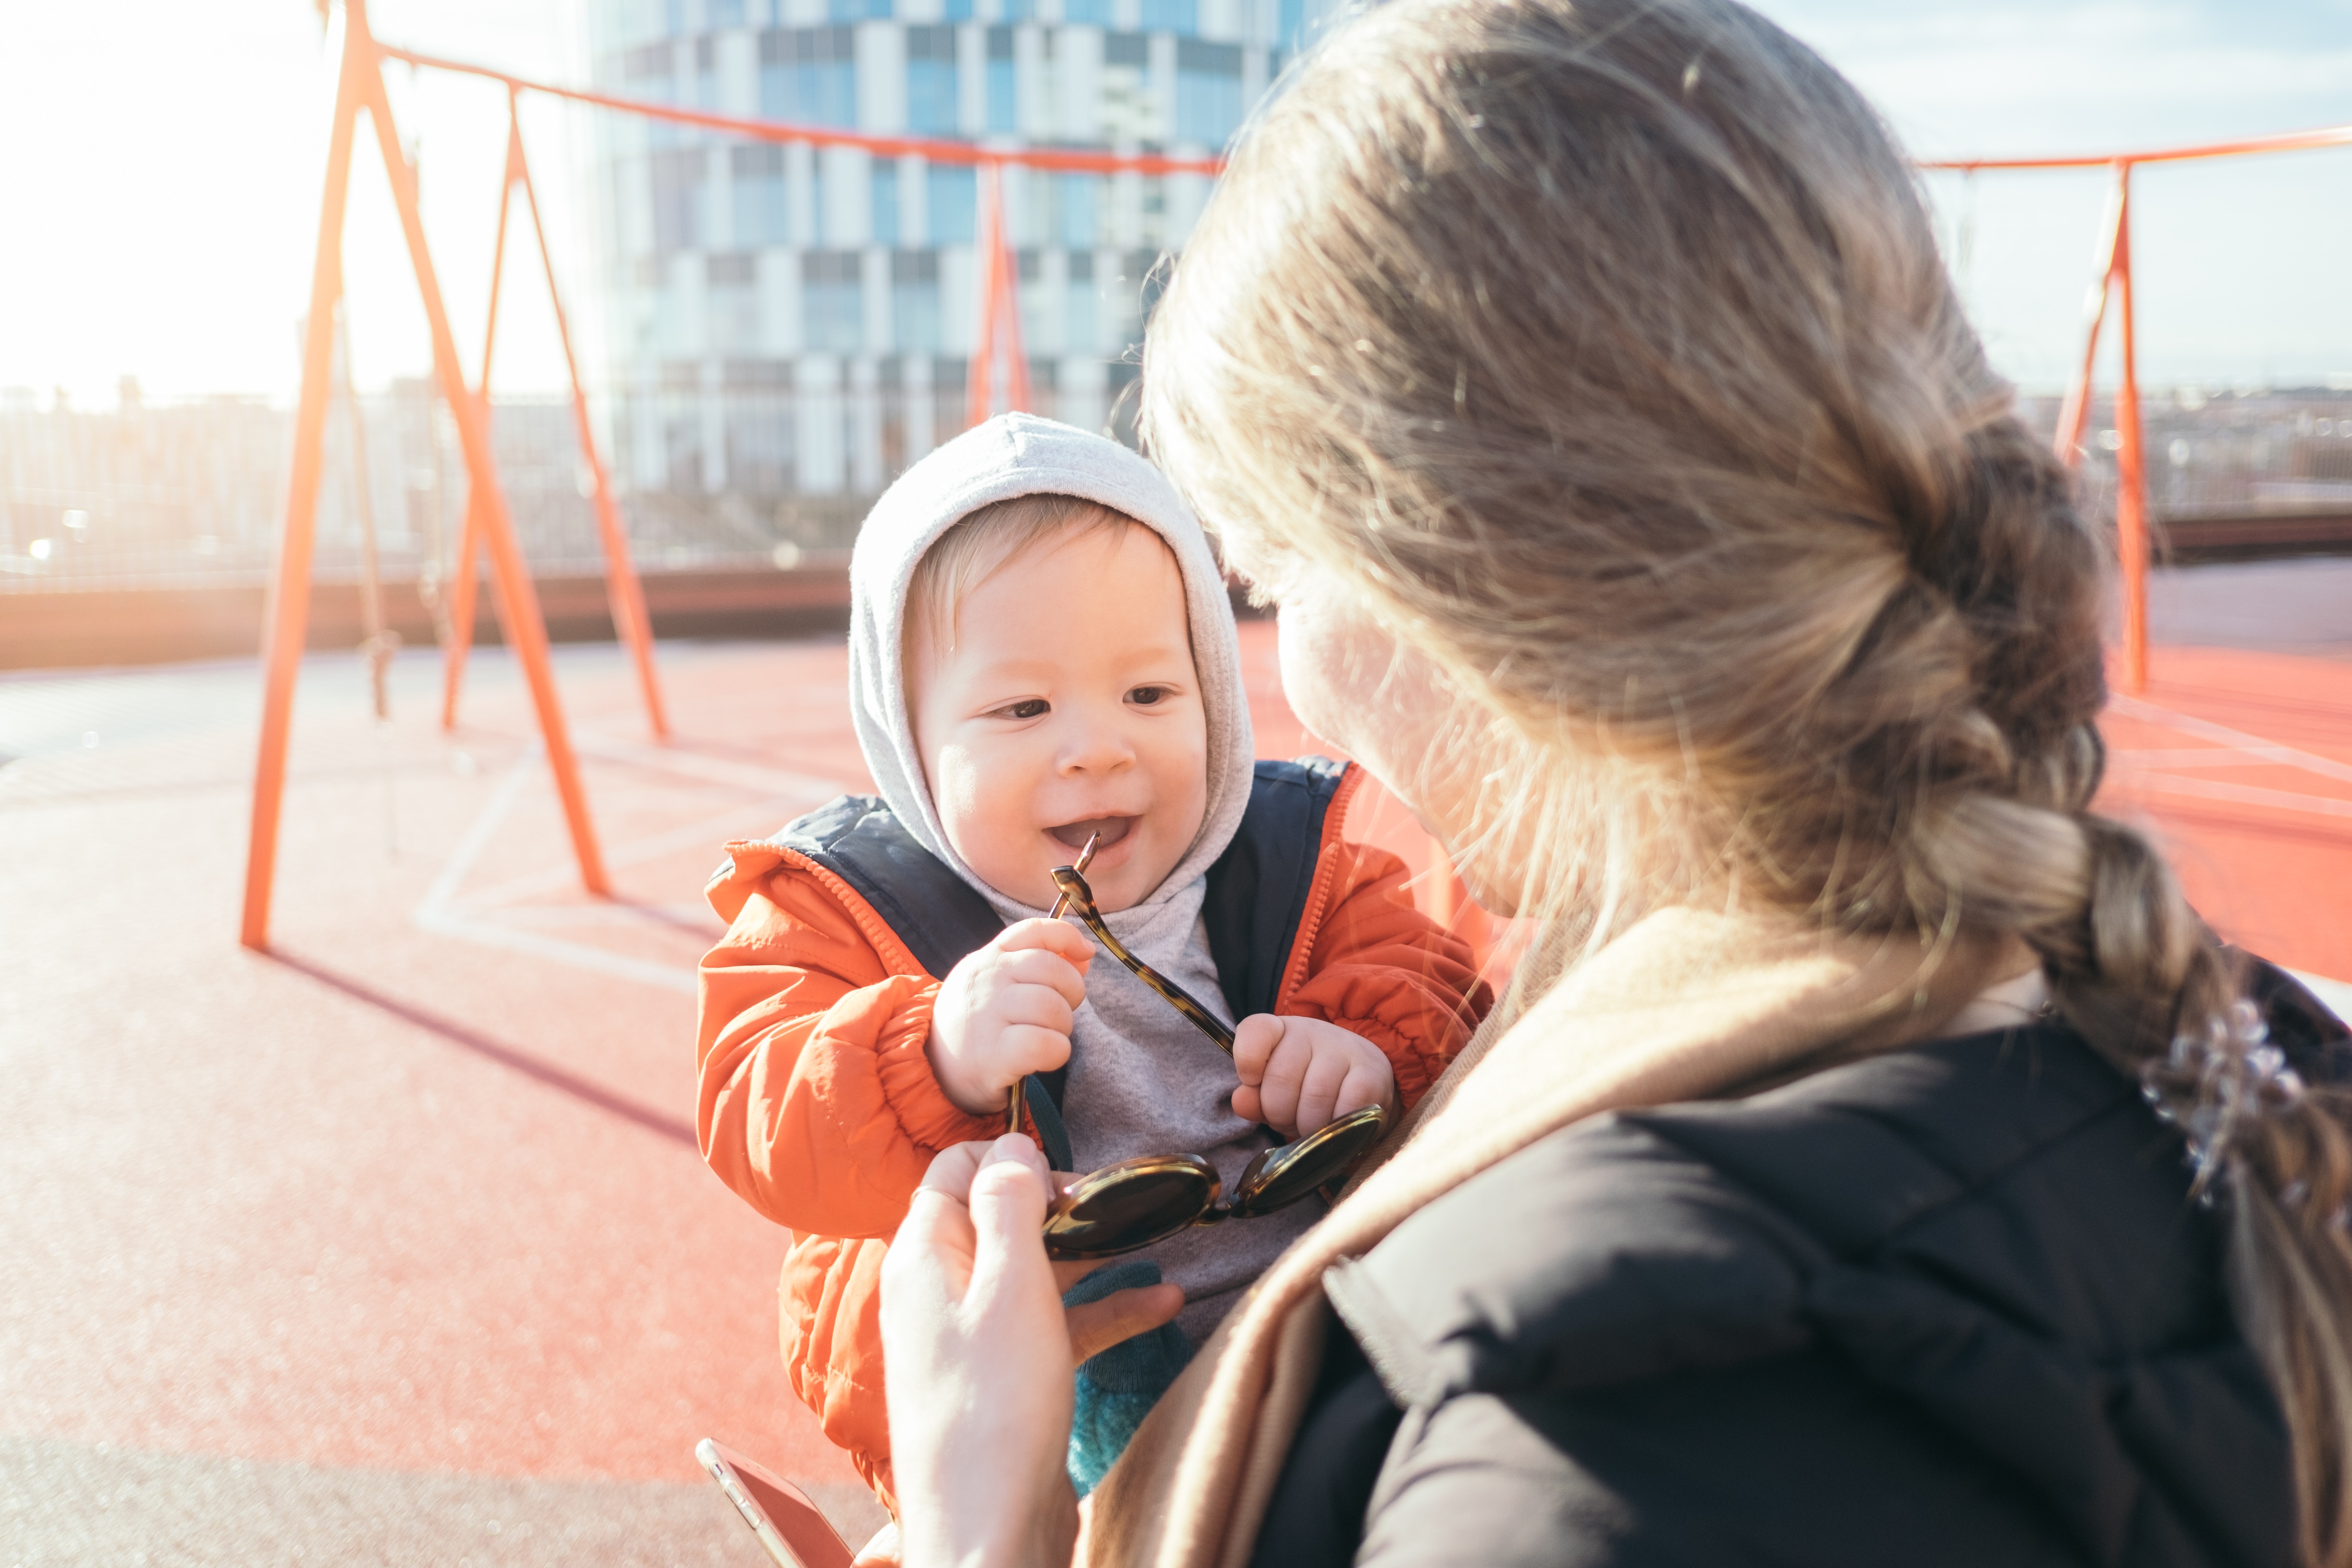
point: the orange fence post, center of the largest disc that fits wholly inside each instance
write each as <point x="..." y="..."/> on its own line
<point x="2131" y="470"/>
<point x="2075" y="412"/>
<point x="463" y="576"/>
<point x="980" y="382"/>
<point x="1008" y="302"/>
<point x="517" y="599"/>
<point x="624" y="590"/>
<point x="1000" y="310"/>
<point x="289" y="594"/>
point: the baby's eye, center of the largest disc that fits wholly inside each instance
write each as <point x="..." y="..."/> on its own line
<point x="1027" y="708"/>
<point x="1145" y="696"/>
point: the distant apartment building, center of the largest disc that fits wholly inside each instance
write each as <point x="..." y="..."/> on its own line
<point x="790" y="321"/>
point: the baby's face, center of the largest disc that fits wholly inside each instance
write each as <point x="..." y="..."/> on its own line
<point x="1068" y="705"/>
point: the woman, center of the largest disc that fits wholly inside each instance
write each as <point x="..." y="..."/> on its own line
<point x="1581" y="378"/>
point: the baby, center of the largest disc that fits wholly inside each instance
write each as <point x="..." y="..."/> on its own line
<point x="1043" y="652"/>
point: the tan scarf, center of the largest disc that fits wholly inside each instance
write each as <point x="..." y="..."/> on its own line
<point x="1686" y="1006"/>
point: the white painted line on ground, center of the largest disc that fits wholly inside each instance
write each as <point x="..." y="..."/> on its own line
<point x="2247" y="794"/>
<point x="711" y="770"/>
<point x="440" y="913"/>
<point x="2138" y="708"/>
<point x="708" y="831"/>
<point x="2202" y="757"/>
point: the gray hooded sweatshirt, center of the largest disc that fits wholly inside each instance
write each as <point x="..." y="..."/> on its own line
<point x="1141" y="1080"/>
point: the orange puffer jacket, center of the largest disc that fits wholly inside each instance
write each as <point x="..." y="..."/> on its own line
<point x="818" y="1106"/>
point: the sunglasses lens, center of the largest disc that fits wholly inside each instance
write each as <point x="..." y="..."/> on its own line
<point x="1280" y="1177"/>
<point x="1130" y="1204"/>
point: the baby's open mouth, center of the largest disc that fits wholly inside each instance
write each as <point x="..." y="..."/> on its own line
<point x="1112" y="828"/>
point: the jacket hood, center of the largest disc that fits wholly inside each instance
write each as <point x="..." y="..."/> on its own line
<point x="1019" y="455"/>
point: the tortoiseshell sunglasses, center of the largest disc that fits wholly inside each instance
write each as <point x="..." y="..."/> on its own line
<point x="1134" y="1202"/>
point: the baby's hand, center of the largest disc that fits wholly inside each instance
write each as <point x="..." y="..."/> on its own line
<point x="1299" y="1073"/>
<point x="1005" y="1011"/>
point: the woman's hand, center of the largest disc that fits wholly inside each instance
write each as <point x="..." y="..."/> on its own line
<point x="979" y="1357"/>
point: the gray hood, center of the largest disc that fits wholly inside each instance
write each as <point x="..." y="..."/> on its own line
<point x="1018" y="455"/>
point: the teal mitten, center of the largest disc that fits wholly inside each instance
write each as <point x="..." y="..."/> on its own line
<point x="1117" y="1388"/>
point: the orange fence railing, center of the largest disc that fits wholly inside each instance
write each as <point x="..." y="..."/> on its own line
<point x="2114" y="284"/>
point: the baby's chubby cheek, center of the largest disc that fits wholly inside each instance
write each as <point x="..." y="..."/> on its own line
<point x="984" y="812"/>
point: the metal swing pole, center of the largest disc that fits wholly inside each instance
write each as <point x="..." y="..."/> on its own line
<point x="289" y="594"/>
<point x="624" y="591"/>
<point x="462" y="583"/>
<point x="518" y="598"/>
<point x="2074" y="416"/>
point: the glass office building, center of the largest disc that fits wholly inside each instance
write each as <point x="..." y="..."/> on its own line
<point x="789" y="326"/>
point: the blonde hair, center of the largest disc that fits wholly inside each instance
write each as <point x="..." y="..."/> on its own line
<point x="980" y="545"/>
<point x="1601" y="349"/>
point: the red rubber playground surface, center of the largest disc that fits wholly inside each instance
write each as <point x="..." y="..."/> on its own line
<point x="393" y="1245"/>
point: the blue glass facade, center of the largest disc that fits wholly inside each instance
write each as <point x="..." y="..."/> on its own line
<point x="831" y="293"/>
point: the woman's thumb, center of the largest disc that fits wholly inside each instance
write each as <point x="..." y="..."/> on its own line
<point x="1008" y="1202"/>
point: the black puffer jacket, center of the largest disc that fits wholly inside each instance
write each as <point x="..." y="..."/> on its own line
<point x="1950" y="1306"/>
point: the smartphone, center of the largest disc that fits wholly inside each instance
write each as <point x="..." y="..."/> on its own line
<point x="794" y="1529"/>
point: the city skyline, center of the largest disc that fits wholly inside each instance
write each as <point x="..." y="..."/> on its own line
<point x="173" y="188"/>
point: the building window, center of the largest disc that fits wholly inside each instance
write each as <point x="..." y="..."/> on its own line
<point x="915" y="302"/>
<point x="858" y="10"/>
<point x="646" y="63"/>
<point x="1003" y="95"/>
<point x="832" y="302"/>
<point x="1086" y="13"/>
<point x="1129" y="108"/>
<point x="761" y="207"/>
<point x="1081" y="325"/>
<point x="1077" y="207"/>
<point x="931" y="81"/>
<point x="1171" y="16"/>
<point x="951" y="200"/>
<point x="731" y="311"/>
<point x="678" y="198"/>
<point x="758" y="423"/>
<point x="723" y="13"/>
<point x="884" y="225"/>
<point x="1208" y="91"/>
<point x="706" y="72"/>
<point x="809" y="75"/>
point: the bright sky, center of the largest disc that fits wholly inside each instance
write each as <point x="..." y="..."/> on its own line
<point x="160" y="165"/>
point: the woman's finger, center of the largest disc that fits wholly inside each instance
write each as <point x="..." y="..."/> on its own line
<point x="1007" y="1205"/>
<point x="951" y="1170"/>
<point x="1120" y="1316"/>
